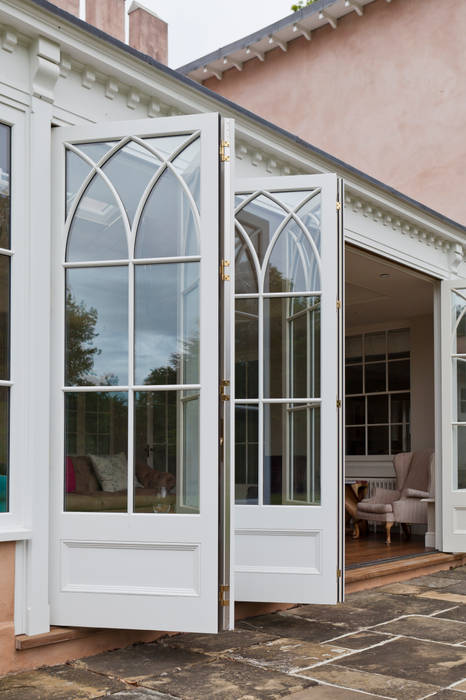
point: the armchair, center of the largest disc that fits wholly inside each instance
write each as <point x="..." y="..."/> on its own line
<point x="405" y="505"/>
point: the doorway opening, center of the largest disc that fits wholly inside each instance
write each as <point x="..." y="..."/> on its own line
<point x="389" y="409"/>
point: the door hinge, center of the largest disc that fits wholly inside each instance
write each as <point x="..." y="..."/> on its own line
<point x="338" y="573"/>
<point x="338" y="403"/>
<point x="224" y="157"/>
<point x="338" y="304"/>
<point x="223" y="276"/>
<point x="223" y="384"/>
<point x="338" y="206"/>
<point x="222" y="599"/>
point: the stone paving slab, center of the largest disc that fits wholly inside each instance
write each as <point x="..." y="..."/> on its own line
<point x="448" y="694"/>
<point x="444" y="597"/>
<point x="287" y="655"/>
<point x="458" y="573"/>
<point x="217" y="643"/>
<point x="433" y="581"/>
<point x="330" y="692"/>
<point x="383" y="604"/>
<point x="386" y="686"/>
<point x="57" y="683"/>
<point x="282" y="625"/>
<point x="141" y="661"/>
<point x="225" y="679"/>
<point x="347" y="617"/>
<point x="456" y="612"/>
<point x="433" y="628"/>
<point x="136" y="694"/>
<point x="437" y="664"/>
<point x="360" y="640"/>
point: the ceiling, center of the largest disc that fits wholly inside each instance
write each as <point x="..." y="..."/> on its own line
<point x="370" y="298"/>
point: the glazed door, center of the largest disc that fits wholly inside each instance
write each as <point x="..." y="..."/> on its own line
<point x="134" y="472"/>
<point x="453" y="357"/>
<point x="287" y="390"/>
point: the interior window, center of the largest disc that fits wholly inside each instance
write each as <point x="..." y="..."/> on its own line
<point x="5" y="273"/>
<point x="378" y="393"/>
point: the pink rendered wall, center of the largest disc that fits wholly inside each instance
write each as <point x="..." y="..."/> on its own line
<point x="385" y="92"/>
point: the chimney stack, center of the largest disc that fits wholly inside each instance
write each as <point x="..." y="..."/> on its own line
<point x="147" y="32"/>
<point x="71" y="6"/>
<point x="107" y="15"/>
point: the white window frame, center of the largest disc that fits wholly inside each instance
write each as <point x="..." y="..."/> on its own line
<point x="15" y="524"/>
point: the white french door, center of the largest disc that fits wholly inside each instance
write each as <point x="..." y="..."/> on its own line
<point x="453" y="410"/>
<point x="134" y="497"/>
<point x="287" y="389"/>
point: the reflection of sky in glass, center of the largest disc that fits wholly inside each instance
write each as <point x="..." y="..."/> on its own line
<point x="166" y="322"/>
<point x="106" y="290"/>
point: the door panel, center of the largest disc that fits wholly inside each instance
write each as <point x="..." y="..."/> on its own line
<point x="287" y="382"/>
<point x="453" y="357"/>
<point x="134" y="477"/>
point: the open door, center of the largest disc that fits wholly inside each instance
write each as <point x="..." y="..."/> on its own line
<point x="287" y="390"/>
<point x="453" y="408"/>
<point x="134" y="496"/>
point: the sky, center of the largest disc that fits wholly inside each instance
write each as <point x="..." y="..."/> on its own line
<point x="197" y="28"/>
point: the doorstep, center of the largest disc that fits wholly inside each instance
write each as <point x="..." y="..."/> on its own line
<point x="379" y="574"/>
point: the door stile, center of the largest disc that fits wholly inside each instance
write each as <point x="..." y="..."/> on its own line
<point x="226" y="615"/>
<point x="341" y="392"/>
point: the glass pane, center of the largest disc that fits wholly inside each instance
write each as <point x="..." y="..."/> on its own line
<point x="130" y="169"/>
<point x="292" y="347"/>
<point x="245" y="273"/>
<point x="459" y="321"/>
<point x="188" y="165"/>
<point x="399" y="409"/>
<point x="167" y="324"/>
<point x="95" y="151"/>
<point x="355" y="411"/>
<point x="353" y="349"/>
<point x="96" y="318"/>
<point x="459" y="456"/>
<point x="246" y="454"/>
<point x="166" y="145"/>
<point x="353" y="379"/>
<point x="4" y="317"/>
<point x="377" y="409"/>
<point x="293" y="266"/>
<point x="398" y="343"/>
<point x="97" y="231"/>
<point x="459" y="390"/>
<point x="166" y="451"/>
<point x="260" y="219"/>
<point x="374" y="346"/>
<point x="399" y="375"/>
<point x="292" y="198"/>
<point x="5" y="173"/>
<point x="400" y="439"/>
<point x="77" y="170"/>
<point x="167" y="226"/>
<point x="375" y="377"/>
<point x="4" y="447"/>
<point x="310" y="215"/>
<point x="377" y="440"/>
<point x="96" y="449"/>
<point x="355" y="441"/>
<point x="246" y="348"/>
<point x="291" y="454"/>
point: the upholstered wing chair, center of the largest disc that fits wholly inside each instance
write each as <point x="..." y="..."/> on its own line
<point x="414" y="482"/>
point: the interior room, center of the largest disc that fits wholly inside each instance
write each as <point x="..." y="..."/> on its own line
<point x="389" y="409"/>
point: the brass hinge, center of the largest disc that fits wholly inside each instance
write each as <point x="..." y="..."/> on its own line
<point x="338" y="304"/>
<point x="223" y="601"/>
<point x="338" y="403"/>
<point x="223" y="276"/>
<point x="223" y="384"/>
<point x="224" y="157"/>
<point x="338" y="206"/>
<point x="338" y="573"/>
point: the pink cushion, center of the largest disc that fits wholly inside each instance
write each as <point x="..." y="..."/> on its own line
<point x="70" y="477"/>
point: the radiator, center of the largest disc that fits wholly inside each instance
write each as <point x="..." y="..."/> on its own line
<point x="380" y="483"/>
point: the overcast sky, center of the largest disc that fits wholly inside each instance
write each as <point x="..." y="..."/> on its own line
<point x="201" y="26"/>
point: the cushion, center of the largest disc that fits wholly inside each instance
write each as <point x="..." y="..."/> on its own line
<point x="70" y="478"/>
<point x="111" y="471"/>
<point x="415" y="493"/>
<point x="85" y="478"/>
<point x="368" y="507"/>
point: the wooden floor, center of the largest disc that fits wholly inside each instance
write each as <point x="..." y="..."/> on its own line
<point x="372" y="548"/>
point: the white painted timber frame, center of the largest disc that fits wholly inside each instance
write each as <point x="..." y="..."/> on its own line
<point x="140" y="570"/>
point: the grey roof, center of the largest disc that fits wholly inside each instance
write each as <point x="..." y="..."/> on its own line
<point x="223" y="101"/>
<point x="300" y="23"/>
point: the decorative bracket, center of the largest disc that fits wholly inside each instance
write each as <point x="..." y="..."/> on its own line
<point x="455" y="257"/>
<point x="45" y="60"/>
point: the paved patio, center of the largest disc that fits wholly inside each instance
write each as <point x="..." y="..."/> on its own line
<point x="405" y="641"/>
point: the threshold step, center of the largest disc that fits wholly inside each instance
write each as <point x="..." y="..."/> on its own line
<point x="373" y="575"/>
<point x="55" y="636"/>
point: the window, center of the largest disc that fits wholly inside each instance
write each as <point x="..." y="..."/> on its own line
<point x="378" y="393"/>
<point x="5" y="258"/>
